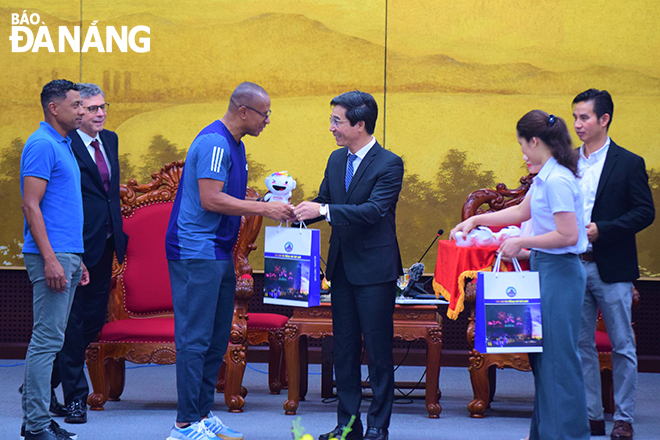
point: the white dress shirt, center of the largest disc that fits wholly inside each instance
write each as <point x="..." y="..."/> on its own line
<point x="590" y="169"/>
<point x="555" y="189"/>
<point x="360" y="154"/>
<point x="87" y="140"/>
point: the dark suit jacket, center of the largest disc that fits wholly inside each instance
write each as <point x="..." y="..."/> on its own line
<point x="363" y="219"/>
<point x="623" y="207"/>
<point x="100" y="207"/>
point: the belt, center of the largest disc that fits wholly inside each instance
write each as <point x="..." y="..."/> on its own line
<point x="587" y="256"/>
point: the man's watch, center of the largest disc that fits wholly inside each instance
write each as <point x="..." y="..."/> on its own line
<point x="323" y="210"/>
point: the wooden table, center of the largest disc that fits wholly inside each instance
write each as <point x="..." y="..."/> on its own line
<point x="410" y="323"/>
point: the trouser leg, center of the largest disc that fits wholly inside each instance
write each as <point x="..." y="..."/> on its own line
<point x="347" y="342"/>
<point x="375" y="305"/>
<point x="220" y="337"/>
<point x="195" y="293"/>
<point x="50" y="315"/>
<point x="588" y="351"/>
<point x="560" y="394"/>
<point x="88" y="315"/>
<point x="615" y="304"/>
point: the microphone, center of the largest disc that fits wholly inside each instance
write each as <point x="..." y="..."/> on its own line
<point x="440" y="232"/>
<point x="417" y="270"/>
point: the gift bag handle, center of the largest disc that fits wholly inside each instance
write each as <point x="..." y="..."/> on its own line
<point x="301" y="226"/>
<point x="498" y="262"/>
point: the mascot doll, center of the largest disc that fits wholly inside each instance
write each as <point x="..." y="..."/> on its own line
<point x="279" y="187"/>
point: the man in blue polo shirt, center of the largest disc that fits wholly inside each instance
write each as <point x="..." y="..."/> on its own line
<point x="203" y="228"/>
<point x="52" y="206"/>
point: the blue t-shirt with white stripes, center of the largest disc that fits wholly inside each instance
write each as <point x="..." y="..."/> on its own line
<point x="47" y="155"/>
<point x="193" y="232"/>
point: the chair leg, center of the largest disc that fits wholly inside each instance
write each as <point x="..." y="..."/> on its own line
<point x="235" y="360"/>
<point x="479" y="378"/>
<point x="492" y="382"/>
<point x="115" y="371"/>
<point x="95" y="355"/>
<point x="284" y="379"/>
<point x="275" y="358"/>
<point x="222" y="375"/>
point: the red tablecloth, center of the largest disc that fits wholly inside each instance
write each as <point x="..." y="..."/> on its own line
<point x="454" y="265"/>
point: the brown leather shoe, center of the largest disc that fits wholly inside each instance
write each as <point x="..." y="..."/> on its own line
<point x="622" y="430"/>
<point x="597" y="427"/>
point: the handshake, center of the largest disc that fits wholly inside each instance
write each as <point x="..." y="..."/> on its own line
<point x="285" y="212"/>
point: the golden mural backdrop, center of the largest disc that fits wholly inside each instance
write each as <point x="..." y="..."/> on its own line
<point x="451" y="79"/>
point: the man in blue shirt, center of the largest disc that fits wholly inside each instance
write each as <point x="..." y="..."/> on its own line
<point x="202" y="231"/>
<point x="52" y="206"/>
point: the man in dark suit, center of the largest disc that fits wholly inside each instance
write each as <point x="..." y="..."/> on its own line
<point x="617" y="205"/>
<point x="96" y="151"/>
<point x="358" y="198"/>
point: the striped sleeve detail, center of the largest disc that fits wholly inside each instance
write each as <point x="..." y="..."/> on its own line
<point x="216" y="159"/>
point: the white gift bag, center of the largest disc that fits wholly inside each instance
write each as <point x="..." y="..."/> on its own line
<point x="508" y="311"/>
<point x="292" y="266"/>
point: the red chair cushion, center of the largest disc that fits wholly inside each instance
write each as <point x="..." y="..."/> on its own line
<point x="139" y="330"/>
<point x="146" y="277"/>
<point x="266" y="321"/>
<point x="603" y="344"/>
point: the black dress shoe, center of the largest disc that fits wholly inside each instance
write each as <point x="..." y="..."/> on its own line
<point x="376" y="434"/>
<point x="355" y="434"/>
<point x="597" y="427"/>
<point x="76" y="412"/>
<point x="56" y="408"/>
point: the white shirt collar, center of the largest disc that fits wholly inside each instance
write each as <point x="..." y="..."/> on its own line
<point x="87" y="139"/>
<point x="598" y="154"/>
<point x="364" y="150"/>
<point x="546" y="168"/>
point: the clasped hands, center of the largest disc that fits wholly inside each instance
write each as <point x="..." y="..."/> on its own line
<point x="288" y="213"/>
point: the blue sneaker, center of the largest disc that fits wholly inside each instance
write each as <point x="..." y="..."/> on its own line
<point x="196" y="431"/>
<point x="215" y="425"/>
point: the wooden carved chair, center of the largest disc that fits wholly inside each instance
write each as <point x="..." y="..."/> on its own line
<point x="140" y="325"/>
<point x="482" y="366"/>
<point x="264" y="328"/>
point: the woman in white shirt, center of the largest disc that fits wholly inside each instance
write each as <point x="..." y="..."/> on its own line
<point x="554" y="204"/>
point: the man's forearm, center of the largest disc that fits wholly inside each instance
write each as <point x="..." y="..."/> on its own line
<point x="35" y="223"/>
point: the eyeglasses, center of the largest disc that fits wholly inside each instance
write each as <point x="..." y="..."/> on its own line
<point x="95" y="108"/>
<point x="264" y="115"/>
<point x="336" y="121"/>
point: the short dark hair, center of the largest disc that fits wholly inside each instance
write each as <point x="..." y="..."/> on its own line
<point x="601" y="100"/>
<point x="360" y="106"/>
<point x="552" y="130"/>
<point x="57" y="88"/>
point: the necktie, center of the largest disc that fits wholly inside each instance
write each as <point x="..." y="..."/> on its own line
<point x="100" y="162"/>
<point x="349" y="170"/>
